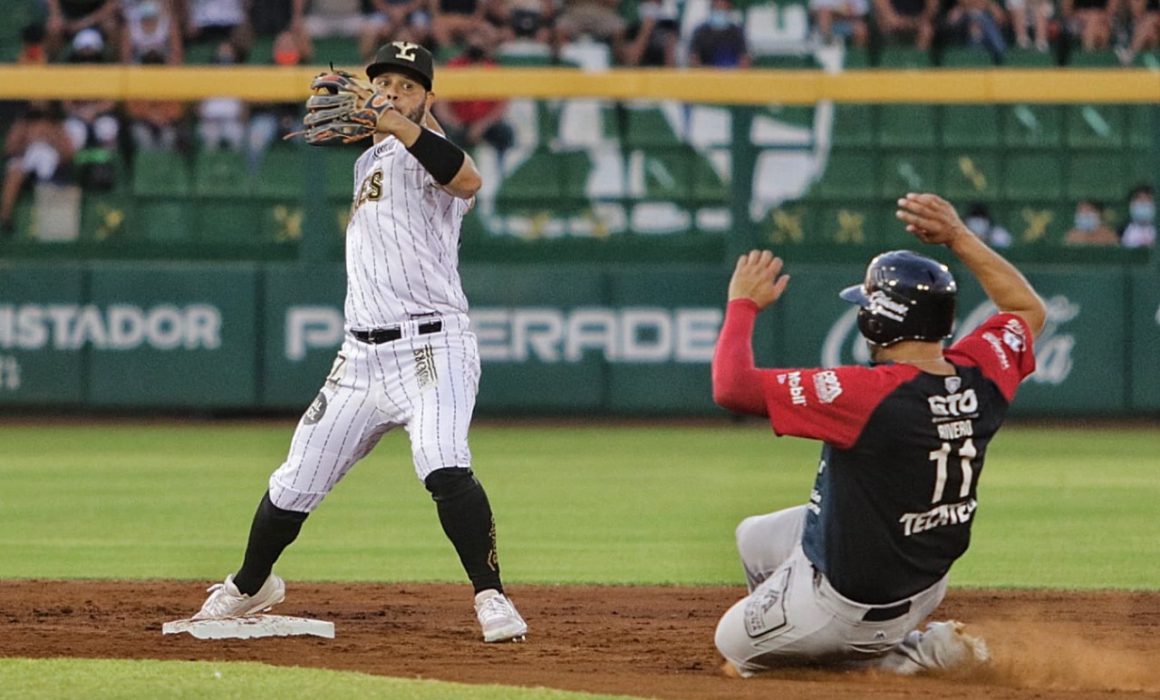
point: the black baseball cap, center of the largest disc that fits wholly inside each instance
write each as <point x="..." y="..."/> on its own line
<point x="405" y="57"/>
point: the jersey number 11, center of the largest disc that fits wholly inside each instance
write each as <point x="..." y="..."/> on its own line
<point x="967" y="453"/>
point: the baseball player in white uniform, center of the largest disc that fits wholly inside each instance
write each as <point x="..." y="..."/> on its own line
<point x="408" y="359"/>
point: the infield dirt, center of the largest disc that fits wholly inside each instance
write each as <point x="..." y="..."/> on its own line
<point x="642" y="641"/>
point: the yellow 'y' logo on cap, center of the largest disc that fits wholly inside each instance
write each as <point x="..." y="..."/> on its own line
<point x="406" y="50"/>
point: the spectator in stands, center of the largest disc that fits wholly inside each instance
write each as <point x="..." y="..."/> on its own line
<point x="841" y="19"/>
<point x="156" y="125"/>
<point x="471" y="122"/>
<point x="598" y="19"/>
<point x="325" y="18"/>
<point x="1141" y="229"/>
<point x="37" y="149"/>
<point x="151" y="28"/>
<point x="981" y="224"/>
<point x="92" y="124"/>
<point x="452" y="20"/>
<point x="32" y="48"/>
<point x="1144" y="21"/>
<point x="719" y="42"/>
<point x="222" y="120"/>
<point x="396" y="20"/>
<point x="1090" y="228"/>
<point x="522" y="19"/>
<point x="270" y="122"/>
<point x="1090" y="20"/>
<point x="1038" y="12"/>
<point x="68" y="17"/>
<point x="906" y="19"/>
<point x="215" y="21"/>
<point x="979" y="23"/>
<point x="651" y="41"/>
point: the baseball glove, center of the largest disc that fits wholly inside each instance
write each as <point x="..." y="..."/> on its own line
<point x="343" y="109"/>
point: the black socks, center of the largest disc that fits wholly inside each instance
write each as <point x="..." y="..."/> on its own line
<point x="466" y="517"/>
<point x="272" y="531"/>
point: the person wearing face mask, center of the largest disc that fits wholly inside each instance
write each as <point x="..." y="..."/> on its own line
<point x="720" y="41"/>
<point x="1141" y="230"/>
<point x="979" y="222"/>
<point x="1090" y="228"/>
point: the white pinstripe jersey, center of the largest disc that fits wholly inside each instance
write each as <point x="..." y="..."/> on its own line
<point x="402" y="242"/>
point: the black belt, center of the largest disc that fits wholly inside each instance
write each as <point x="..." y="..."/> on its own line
<point x="388" y="335"/>
<point x="889" y="612"/>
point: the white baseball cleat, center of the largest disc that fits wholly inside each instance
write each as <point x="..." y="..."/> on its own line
<point x="498" y="617"/>
<point x="226" y="601"/>
<point x="943" y="645"/>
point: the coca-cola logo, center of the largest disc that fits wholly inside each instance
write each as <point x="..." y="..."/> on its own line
<point x="844" y="345"/>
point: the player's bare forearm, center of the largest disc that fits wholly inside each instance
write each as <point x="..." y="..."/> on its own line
<point x="736" y="380"/>
<point x="467" y="181"/>
<point x="933" y="220"/>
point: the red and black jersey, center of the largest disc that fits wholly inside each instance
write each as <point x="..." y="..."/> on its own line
<point x="895" y="494"/>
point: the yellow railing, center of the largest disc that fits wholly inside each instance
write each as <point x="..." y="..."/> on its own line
<point x="947" y="86"/>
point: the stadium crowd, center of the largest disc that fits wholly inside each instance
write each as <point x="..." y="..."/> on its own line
<point x="82" y="142"/>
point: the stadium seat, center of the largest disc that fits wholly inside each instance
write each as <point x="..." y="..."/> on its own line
<point x="1092" y="59"/>
<point x="643" y="127"/>
<point x="1045" y="223"/>
<point x="1028" y="58"/>
<point x="900" y="172"/>
<point x="221" y="174"/>
<point x="966" y="57"/>
<point x="856" y="58"/>
<point x="903" y="57"/>
<point x="709" y="187"/>
<point x="786" y="61"/>
<point x="160" y="174"/>
<point x="1032" y="126"/>
<point x="228" y="221"/>
<point x="281" y="221"/>
<point x="1095" y="126"/>
<point x="340" y="172"/>
<point x="971" y="175"/>
<point x="104" y="217"/>
<point x="907" y="126"/>
<point x="970" y="126"/>
<point x="1101" y="176"/>
<point x="1143" y="168"/>
<point x="846" y="223"/>
<point x="546" y="181"/>
<point x="161" y="220"/>
<point x="1032" y="175"/>
<point x="792" y="223"/>
<point x="854" y="125"/>
<point x="892" y="232"/>
<point x="281" y="174"/>
<point x="1142" y="124"/>
<point x="849" y="174"/>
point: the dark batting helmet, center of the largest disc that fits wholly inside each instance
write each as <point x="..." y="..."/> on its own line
<point x="905" y="296"/>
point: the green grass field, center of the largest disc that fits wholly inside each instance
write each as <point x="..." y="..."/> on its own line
<point x="1060" y="507"/>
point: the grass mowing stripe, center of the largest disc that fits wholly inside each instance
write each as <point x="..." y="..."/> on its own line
<point x="51" y="679"/>
<point x="1061" y="507"/>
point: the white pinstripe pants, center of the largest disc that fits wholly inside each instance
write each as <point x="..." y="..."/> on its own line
<point x="425" y="383"/>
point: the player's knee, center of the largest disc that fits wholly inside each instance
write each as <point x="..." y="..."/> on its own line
<point x="273" y="512"/>
<point x="730" y="637"/>
<point x="451" y="482"/>
<point x="744" y="534"/>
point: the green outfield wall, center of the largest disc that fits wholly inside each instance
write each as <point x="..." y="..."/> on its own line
<point x="558" y="339"/>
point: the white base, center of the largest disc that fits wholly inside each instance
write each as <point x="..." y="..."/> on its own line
<point x="251" y="627"/>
